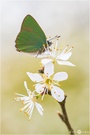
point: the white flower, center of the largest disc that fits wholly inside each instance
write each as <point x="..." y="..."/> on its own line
<point x="29" y="102"/>
<point x="48" y="81"/>
<point x="59" y="55"/>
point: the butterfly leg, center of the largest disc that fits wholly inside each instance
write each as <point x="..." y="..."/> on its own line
<point x="40" y="51"/>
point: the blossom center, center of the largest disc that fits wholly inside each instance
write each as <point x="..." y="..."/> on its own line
<point x="32" y="97"/>
<point x="48" y="81"/>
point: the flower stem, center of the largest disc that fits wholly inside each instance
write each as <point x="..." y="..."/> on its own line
<point x="64" y="116"/>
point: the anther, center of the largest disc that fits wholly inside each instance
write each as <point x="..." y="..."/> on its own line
<point x="20" y="109"/>
<point x="22" y="102"/>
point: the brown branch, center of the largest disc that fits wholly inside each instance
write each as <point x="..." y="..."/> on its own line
<point x="64" y="116"/>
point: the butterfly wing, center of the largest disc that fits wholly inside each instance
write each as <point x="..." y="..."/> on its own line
<point x="28" y="42"/>
<point x="31" y="37"/>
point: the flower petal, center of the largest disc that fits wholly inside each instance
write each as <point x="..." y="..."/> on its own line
<point x="49" y="69"/>
<point x="39" y="108"/>
<point x="45" y="61"/>
<point x="19" y="95"/>
<point x="35" y="77"/>
<point x="21" y="98"/>
<point x="39" y="88"/>
<point x="28" y="91"/>
<point x="64" y="56"/>
<point x="60" y="76"/>
<point x="31" y="111"/>
<point x="57" y="93"/>
<point x="65" y="63"/>
<point x="26" y="106"/>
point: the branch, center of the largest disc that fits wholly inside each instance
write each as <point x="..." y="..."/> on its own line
<point x="64" y="116"/>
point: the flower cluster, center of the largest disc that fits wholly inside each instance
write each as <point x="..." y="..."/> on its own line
<point x="47" y="82"/>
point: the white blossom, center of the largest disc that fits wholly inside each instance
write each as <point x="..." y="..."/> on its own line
<point x="58" y="54"/>
<point x="49" y="81"/>
<point x="29" y="101"/>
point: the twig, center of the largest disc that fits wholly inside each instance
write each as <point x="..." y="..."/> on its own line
<point x="64" y="116"/>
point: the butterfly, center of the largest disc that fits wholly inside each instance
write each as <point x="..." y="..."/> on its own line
<point x="31" y="38"/>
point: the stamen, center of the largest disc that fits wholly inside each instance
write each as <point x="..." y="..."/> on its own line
<point x="64" y="50"/>
<point x="69" y="50"/>
<point x="57" y="49"/>
<point x="56" y="43"/>
<point x="26" y="113"/>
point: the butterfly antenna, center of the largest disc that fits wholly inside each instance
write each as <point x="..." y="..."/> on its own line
<point x="53" y="38"/>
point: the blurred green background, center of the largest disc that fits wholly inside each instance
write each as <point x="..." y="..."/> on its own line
<point x="70" y="20"/>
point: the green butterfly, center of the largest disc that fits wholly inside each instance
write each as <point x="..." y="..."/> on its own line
<point x="31" y="38"/>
